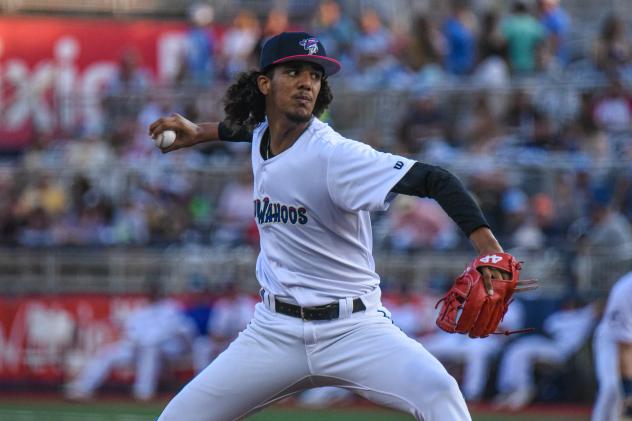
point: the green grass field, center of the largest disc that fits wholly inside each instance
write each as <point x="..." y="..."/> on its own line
<point x="52" y="410"/>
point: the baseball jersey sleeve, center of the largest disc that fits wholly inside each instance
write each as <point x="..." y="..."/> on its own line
<point x="361" y="178"/>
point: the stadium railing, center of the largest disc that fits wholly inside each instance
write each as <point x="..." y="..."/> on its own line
<point x="120" y="270"/>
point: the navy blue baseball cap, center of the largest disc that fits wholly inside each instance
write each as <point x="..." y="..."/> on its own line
<point x="297" y="46"/>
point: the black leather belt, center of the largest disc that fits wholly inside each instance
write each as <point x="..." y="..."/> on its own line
<point x="324" y="312"/>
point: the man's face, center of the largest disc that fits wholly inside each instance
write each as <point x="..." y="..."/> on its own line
<point x="292" y="90"/>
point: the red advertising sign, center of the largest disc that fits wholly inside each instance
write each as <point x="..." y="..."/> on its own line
<point x="49" y="337"/>
<point x="52" y="70"/>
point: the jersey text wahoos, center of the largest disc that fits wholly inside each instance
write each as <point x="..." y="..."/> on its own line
<point x="271" y="212"/>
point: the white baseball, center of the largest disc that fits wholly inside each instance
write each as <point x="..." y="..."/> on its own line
<point x="165" y="139"/>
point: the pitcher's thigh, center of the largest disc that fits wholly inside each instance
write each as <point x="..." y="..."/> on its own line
<point x="244" y="376"/>
<point x="387" y="367"/>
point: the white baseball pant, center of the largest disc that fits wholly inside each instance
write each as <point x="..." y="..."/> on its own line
<point x="609" y="397"/>
<point x="277" y="356"/>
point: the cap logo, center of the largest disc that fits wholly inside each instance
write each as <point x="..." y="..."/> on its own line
<point x="310" y="45"/>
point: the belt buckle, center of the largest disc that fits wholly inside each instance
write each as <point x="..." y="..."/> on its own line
<point x="302" y="314"/>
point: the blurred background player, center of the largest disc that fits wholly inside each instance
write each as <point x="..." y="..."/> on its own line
<point x="613" y="355"/>
<point x="231" y="313"/>
<point x="198" y="310"/>
<point x="476" y="355"/>
<point x="566" y="330"/>
<point x="152" y="334"/>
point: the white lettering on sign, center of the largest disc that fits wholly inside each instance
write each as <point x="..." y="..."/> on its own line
<point x="55" y="93"/>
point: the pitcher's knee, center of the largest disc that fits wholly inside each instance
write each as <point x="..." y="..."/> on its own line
<point x="447" y="387"/>
<point x="440" y="399"/>
<point x="441" y="389"/>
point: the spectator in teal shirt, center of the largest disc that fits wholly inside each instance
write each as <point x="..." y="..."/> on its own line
<point x="525" y="36"/>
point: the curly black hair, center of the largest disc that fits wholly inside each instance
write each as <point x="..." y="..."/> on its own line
<point x="244" y="104"/>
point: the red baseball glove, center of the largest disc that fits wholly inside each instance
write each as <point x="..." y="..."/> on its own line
<point x="468" y="308"/>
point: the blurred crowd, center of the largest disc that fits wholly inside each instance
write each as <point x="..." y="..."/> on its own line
<point x="498" y="95"/>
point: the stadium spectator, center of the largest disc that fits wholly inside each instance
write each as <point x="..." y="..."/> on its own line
<point x="336" y="30"/>
<point x="460" y="30"/>
<point x="491" y="42"/>
<point x="514" y="206"/>
<point x="90" y="226"/>
<point x="596" y="145"/>
<point x="372" y="47"/>
<point x="585" y="117"/>
<point x="276" y="22"/>
<point x="199" y="58"/>
<point x="426" y="46"/>
<point x="125" y="92"/>
<point x="141" y="146"/>
<point x="238" y="43"/>
<point x="557" y="23"/>
<point x="547" y="217"/>
<point x="91" y="157"/>
<point x="491" y="69"/>
<point x="488" y="187"/>
<point x="233" y="216"/>
<point x="612" y="50"/>
<point x="416" y="224"/>
<point x="525" y="36"/>
<point x="39" y="155"/>
<point x="129" y="224"/>
<point x="9" y="220"/>
<point x="623" y="193"/>
<point x="36" y="230"/>
<point x="568" y="202"/>
<point x="43" y="193"/>
<point x="613" y="110"/>
<point x="543" y="135"/>
<point x="521" y="113"/>
<point x="529" y="235"/>
<point x="480" y="127"/>
<point x="421" y="124"/>
<point x="153" y="334"/>
<point x="567" y="330"/>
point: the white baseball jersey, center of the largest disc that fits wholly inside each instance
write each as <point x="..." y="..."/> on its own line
<point x="616" y="323"/>
<point x="615" y="327"/>
<point x="322" y="187"/>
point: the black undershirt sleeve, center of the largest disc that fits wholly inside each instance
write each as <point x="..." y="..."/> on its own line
<point x="431" y="181"/>
<point x="227" y="135"/>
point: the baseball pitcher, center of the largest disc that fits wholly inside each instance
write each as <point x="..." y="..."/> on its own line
<point x="320" y="321"/>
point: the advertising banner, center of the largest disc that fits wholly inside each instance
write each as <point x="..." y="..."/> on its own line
<point x="47" y="338"/>
<point x="53" y="70"/>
